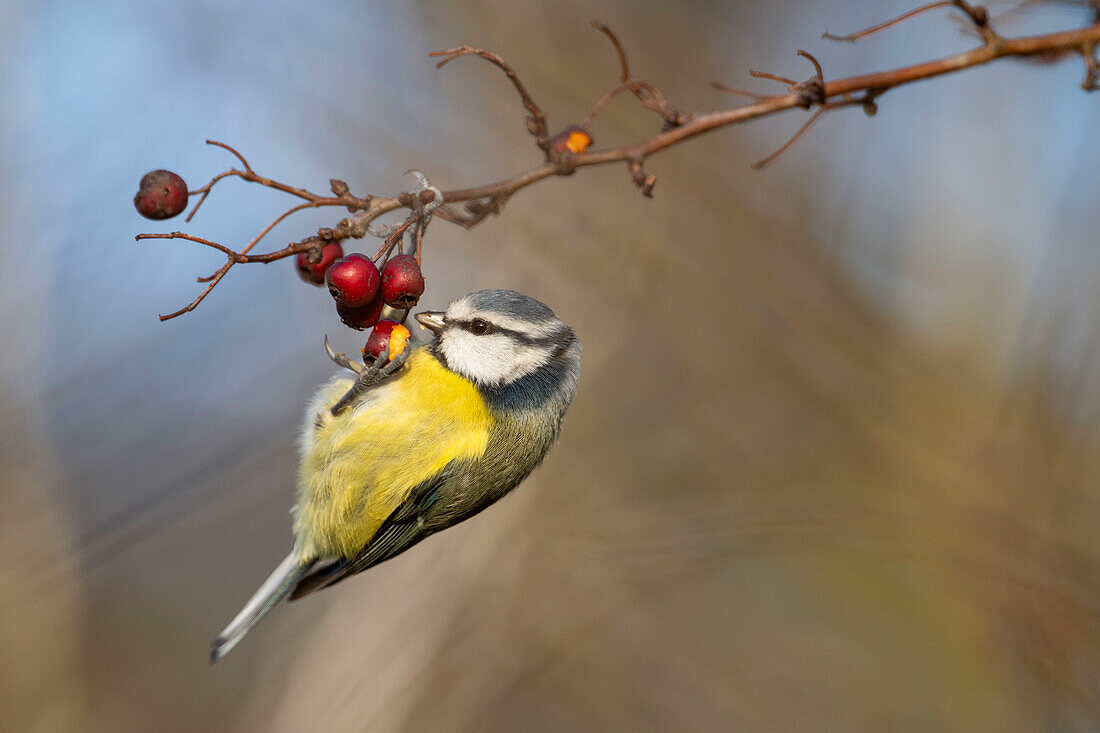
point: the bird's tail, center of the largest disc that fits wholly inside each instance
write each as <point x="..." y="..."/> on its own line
<point x="277" y="587"/>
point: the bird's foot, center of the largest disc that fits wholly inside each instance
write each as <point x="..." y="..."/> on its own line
<point x="376" y="373"/>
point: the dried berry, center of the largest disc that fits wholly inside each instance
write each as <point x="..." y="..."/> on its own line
<point x="161" y="195"/>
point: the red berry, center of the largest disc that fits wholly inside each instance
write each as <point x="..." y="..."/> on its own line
<point x="362" y="317"/>
<point x="387" y="340"/>
<point x="402" y="282"/>
<point x="161" y="195"/>
<point x="379" y="339"/>
<point x="314" y="272"/>
<point x="353" y="280"/>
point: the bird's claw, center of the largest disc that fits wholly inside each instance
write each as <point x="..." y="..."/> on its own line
<point x="342" y="359"/>
<point x="376" y="373"/>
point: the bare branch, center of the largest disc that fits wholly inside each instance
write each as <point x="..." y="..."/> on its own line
<point x="486" y="200"/>
<point x="853" y="37"/>
<point x="867" y="101"/>
<point x="233" y="258"/>
<point x="205" y="190"/>
<point x="740" y="92"/>
<point x="791" y="83"/>
<point x="791" y="141"/>
<point x="817" y="64"/>
<point x="624" y="66"/>
<point x="233" y="150"/>
<point x="536" y="123"/>
<point x="214" y="280"/>
<point x="977" y="15"/>
<point x="650" y="97"/>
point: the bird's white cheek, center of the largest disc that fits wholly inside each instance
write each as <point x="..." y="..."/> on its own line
<point x="475" y="357"/>
<point x="493" y="359"/>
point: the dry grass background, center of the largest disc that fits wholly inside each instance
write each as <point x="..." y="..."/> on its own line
<point x="863" y="497"/>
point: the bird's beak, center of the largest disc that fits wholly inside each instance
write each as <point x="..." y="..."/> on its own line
<point x="431" y="320"/>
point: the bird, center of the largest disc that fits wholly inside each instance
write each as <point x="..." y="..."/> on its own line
<point x="422" y="443"/>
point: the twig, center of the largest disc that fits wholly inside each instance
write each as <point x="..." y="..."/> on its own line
<point x="867" y="101"/>
<point x="791" y="83"/>
<point x="738" y="91"/>
<point x="233" y="150"/>
<point x="853" y="37"/>
<point x="232" y="257"/>
<point x="977" y="15"/>
<point x="265" y="231"/>
<point x="488" y="199"/>
<point x="649" y="96"/>
<point x="791" y="141"/>
<point x="536" y="123"/>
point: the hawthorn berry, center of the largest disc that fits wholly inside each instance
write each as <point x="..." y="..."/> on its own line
<point x="378" y="341"/>
<point x="314" y="272"/>
<point x="389" y="338"/>
<point x="402" y="282"/>
<point x="363" y="316"/>
<point x="161" y="195"/>
<point x="353" y="280"/>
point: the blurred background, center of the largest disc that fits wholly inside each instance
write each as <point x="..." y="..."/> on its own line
<point x="865" y="497"/>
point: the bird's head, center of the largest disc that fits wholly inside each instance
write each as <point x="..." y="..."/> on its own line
<point x="496" y="338"/>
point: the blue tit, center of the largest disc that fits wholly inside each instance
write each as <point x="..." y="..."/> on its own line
<point x="456" y="426"/>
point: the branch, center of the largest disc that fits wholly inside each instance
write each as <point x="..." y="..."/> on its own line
<point x="853" y="37"/>
<point x="536" y="123"/>
<point x="646" y="93"/>
<point x="232" y="257"/>
<point x="1047" y="45"/>
<point x="482" y="201"/>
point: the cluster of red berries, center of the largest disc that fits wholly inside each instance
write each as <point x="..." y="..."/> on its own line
<point x="358" y="287"/>
<point x="360" y="292"/>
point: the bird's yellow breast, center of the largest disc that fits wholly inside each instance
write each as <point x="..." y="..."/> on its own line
<point x="358" y="467"/>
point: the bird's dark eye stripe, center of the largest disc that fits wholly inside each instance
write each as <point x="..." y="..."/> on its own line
<point x="481" y="327"/>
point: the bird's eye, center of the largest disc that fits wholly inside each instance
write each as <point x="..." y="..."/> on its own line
<point x="479" y="327"/>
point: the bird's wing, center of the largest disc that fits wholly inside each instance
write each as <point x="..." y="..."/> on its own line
<point x="401" y="530"/>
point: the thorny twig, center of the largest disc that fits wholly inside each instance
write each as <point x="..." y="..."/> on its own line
<point x="480" y="202"/>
